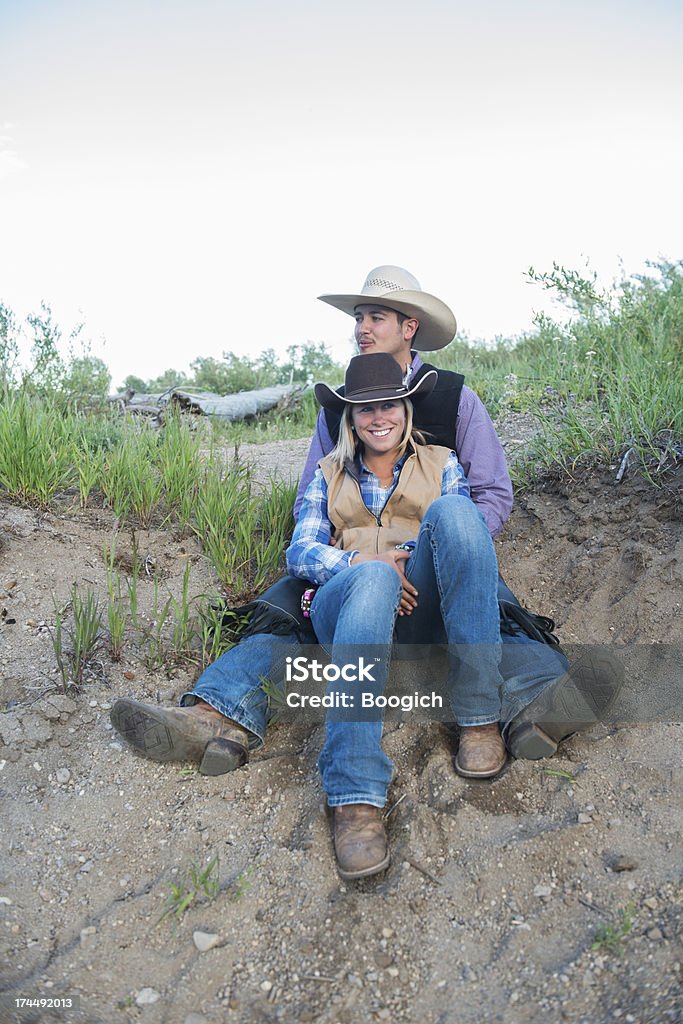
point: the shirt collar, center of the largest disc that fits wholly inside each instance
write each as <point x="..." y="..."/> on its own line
<point x="415" y="364"/>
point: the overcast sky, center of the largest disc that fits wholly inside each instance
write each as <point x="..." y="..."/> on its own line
<point x="186" y="177"/>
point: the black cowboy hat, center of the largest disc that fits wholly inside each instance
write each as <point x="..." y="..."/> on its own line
<point x="375" y="377"/>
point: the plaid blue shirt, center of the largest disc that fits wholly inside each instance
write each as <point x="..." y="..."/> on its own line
<point x="311" y="556"/>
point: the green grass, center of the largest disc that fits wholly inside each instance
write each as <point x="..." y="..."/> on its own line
<point x="75" y="644"/>
<point x="35" y="450"/>
<point x="604" y="380"/>
<point x="610" y="937"/>
<point x="197" y="885"/>
<point x="607" y="379"/>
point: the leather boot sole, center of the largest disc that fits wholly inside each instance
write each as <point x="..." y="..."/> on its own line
<point x="576" y="701"/>
<point x="351" y="876"/>
<point x="488" y="774"/>
<point x="157" y="735"/>
<point x="531" y="743"/>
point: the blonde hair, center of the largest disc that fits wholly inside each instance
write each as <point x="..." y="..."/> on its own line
<point x="348" y="444"/>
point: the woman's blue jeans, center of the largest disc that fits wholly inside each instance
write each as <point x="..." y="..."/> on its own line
<point x="233" y="683"/>
<point x="455" y="572"/>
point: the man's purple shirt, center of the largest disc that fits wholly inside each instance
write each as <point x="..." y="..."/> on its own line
<point x="478" y="449"/>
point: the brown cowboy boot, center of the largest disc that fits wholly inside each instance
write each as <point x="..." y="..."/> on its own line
<point x="360" y="841"/>
<point x="481" y="753"/>
<point x="196" y="733"/>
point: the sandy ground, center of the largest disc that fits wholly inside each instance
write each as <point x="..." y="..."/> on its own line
<point x="497" y="893"/>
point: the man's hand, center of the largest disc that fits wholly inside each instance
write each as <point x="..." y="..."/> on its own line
<point x="396" y="559"/>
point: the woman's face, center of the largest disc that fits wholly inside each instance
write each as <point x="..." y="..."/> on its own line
<point x="380" y="425"/>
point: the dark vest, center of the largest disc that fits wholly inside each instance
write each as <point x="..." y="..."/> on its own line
<point x="434" y="415"/>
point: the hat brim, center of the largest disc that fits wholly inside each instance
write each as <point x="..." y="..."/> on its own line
<point x="330" y="399"/>
<point x="437" y="322"/>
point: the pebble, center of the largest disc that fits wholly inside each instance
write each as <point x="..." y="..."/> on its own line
<point x="205" y="940"/>
<point x="387" y="933"/>
<point x="624" y="863"/>
<point x="584" y="819"/>
<point x="195" y="1018"/>
<point x="146" y="996"/>
<point x="63" y="775"/>
<point x="542" y="890"/>
<point x="266" y="985"/>
<point x="655" y="934"/>
<point x="87" y="933"/>
<point x="5" y="901"/>
<point x="651" y="903"/>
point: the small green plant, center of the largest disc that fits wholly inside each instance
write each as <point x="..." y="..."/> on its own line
<point x="117" y="618"/>
<point x="218" y="629"/>
<point x="132" y="587"/>
<point x="179" y="466"/>
<point x="131" y="481"/>
<point x="185" y="627"/>
<point x="83" y="636"/>
<point x="88" y="465"/>
<point x="223" y="504"/>
<point x="172" y="629"/>
<point x="153" y="653"/>
<point x="276" y="698"/>
<point x="610" y="938"/>
<point x="199" y="885"/>
<point x="241" y="884"/>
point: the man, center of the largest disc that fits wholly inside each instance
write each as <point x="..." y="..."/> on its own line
<point x="227" y="713"/>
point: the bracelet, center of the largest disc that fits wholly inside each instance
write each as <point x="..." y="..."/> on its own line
<point x="306" y="601"/>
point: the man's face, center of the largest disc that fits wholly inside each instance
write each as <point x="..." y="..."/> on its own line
<point x="378" y="330"/>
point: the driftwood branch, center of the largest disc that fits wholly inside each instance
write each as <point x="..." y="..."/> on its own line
<point x="241" y="406"/>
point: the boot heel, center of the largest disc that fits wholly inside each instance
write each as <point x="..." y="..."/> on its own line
<point x="221" y="756"/>
<point x="530" y="743"/>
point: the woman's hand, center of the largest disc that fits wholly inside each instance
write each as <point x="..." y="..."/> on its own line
<point x="396" y="559"/>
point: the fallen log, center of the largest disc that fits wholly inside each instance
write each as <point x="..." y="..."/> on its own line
<point x="240" y="406"/>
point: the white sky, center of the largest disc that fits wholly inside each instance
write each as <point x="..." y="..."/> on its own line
<point x="187" y="176"/>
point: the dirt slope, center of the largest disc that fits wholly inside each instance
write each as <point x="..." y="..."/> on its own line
<point x="497" y="890"/>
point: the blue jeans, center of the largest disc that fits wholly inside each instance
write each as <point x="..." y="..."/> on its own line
<point x="232" y="684"/>
<point x="454" y="570"/>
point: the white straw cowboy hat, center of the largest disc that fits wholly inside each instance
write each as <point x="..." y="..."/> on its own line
<point x="376" y="377"/>
<point x="397" y="289"/>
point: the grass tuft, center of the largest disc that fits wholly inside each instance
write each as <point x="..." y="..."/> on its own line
<point x="199" y="885"/>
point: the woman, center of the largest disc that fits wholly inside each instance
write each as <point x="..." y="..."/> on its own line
<point x="381" y="488"/>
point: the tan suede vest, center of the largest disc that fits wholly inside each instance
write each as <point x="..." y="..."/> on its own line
<point x="353" y="525"/>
